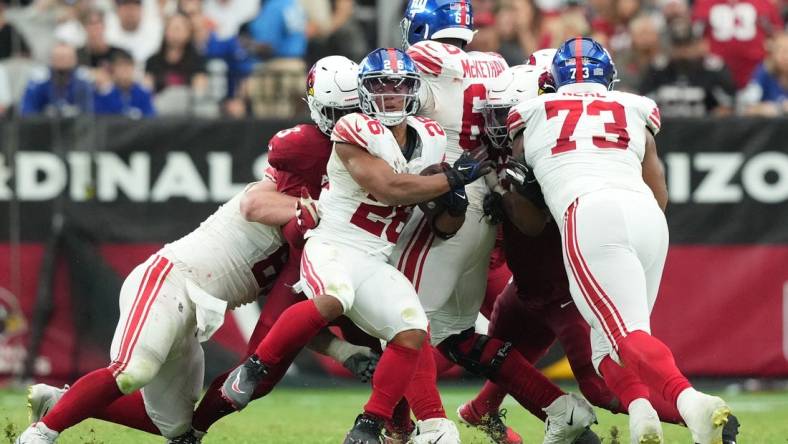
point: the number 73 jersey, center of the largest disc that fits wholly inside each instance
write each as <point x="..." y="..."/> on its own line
<point x="584" y="138"/>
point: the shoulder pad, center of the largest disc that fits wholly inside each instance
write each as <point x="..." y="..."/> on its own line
<point x="433" y="138"/>
<point x="435" y="59"/>
<point x="299" y="149"/>
<point x="356" y="129"/>
<point x="651" y="113"/>
<point x="519" y="116"/>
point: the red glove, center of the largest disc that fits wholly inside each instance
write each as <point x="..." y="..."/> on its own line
<point x="307" y="217"/>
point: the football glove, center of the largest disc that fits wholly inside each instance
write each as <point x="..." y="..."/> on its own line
<point x="456" y="202"/>
<point x="524" y="181"/>
<point x="362" y="365"/>
<point x="493" y="207"/>
<point x="470" y="166"/>
<point x="307" y="216"/>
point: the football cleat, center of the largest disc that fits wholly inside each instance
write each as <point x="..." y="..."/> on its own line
<point x="435" y="431"/>
<point x="366" y="430"/>
<point x="587" y="437"/>
<point x="568" y="417"/>
<point x="705" y="415"/>
<point x="491" y="424"/>
<point x="190" y="437"/>
<point x="239" y="386"/>
<point x="37" y="433"/>
<point x="730" y="430"/>
<point x="41" y="398"/>
<point x="644" y="425"/>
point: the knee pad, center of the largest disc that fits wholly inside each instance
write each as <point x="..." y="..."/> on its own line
<point x="477" y="353"/>
<point x="137" y="374"/>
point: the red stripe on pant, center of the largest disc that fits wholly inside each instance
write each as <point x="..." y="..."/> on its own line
<point x="311" y="277"/>
<point x="149" y="289"/>
<point x="595" y="299"/>
<point x="418" y="250"/>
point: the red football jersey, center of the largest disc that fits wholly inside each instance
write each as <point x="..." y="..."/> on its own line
<point x="537" y="264"/>
<point x="737" y="31"/>
<point x="299" y="156"/>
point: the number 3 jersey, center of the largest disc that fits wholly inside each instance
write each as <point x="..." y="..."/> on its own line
<point x="453" y="93"/>
<point x="584" y="138"/>
<point x="349" y="214"/>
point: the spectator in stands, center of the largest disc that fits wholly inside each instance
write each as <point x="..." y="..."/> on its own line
<point x="229" y="15"/>
<point x="11" y="42"/>
<point x="135" y="27"/>
<point x="177" y="64"/>
<point x="486" y="38"/>
<point x="5" y="93"/>
<point x="64" y="91"/>
<point x="737" y="31"/>
<point x="278" y="36"/>
<point x="689" y="83"/>
<point x="633" y="62"/>
<point x="122" y="95"/>
<point x="519" y="25"/>
<point x="96" y="53"/>
<point x="612" y="25"/>
<point x="767" y="93"/>
<point x="332" y="29"/>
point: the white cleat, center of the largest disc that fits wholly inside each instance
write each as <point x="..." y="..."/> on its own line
<point x="37" y="433"/>
<point x="435" y="431"/>
<point x="41" y="398"/>
<point x="567" y="418"/>
<point x="705" y="415"/>
<point x="644" y="425"/>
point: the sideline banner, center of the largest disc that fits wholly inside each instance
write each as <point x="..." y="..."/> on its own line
<point x="116" y="190"/>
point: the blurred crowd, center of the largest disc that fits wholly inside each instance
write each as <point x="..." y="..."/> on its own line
<point x="239" y="58"/>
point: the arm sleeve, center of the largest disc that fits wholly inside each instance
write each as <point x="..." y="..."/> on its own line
<point x="351" y="129"/>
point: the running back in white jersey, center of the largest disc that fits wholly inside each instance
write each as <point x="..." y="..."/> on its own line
<point x="348" y="213"/>
<point x="584" y="138"/>
<point x="227" y="256"/>
<point x="453" y="92"/>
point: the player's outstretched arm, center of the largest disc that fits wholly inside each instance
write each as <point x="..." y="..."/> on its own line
<point x="388" y="187"/>
<point x="361" y="361"/>
<point x="654" y="172"/>
<point x="262" y="203"/>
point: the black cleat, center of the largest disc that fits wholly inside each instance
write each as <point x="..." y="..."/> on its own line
<point x="730" y="430"/>
<point x="366" y="430"/>
<point x="587" y="437"/>
<point x="186" y="438"/>
<point x="239" y="386"/>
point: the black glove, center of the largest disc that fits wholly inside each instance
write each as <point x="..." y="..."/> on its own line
<point x="493" y="207"/>
<point x="470" y="166"/>
<point x="362" y="365"/>
<point x="524" y="181"/>
<point x="456" y="202"/>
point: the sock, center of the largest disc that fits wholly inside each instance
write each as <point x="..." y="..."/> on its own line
<point x="291" y="332"/>
<point x="422" y="392"/>
<point x="89" y="394"/>
<point x="489" y="399"/>
<point x="442" y="364"/>
<point x="391" y="379"/>
<point x="623" y="382"/>
<point x="213" y="406"/>
<point x="516" y="376"/>
<point x="129" y="410"/>
<point x="652" y="361"/>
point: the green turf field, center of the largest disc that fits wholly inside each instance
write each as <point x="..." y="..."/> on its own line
<point x="291" y="415"/>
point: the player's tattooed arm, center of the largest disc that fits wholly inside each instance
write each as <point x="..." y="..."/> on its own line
<point x="654" y="172"/>
<point x="262" y="203"/>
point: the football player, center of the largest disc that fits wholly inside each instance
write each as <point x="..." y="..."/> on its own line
<point x="374" y="180"/>
<point x="592" y="150"/>
<point x="450" y="275"/>
<point x="169" y="304"/>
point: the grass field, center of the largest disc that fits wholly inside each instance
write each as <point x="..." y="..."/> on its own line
<point x="292" y="415"/>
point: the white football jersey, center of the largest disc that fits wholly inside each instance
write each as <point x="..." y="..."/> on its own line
<point x="228" y="256"/>
<point x="348" y="213"/>
<point x="584" y="138"/>
<point x="453" y="92"/>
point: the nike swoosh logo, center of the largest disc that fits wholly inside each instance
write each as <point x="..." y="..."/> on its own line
<point x="439" y="438"/>
<point x="565" y="304"/>
<point x="571" y="417"/>
<point x="235" y="386"/>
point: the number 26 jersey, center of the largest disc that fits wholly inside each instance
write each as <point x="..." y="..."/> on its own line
<point x="584" y="138"/>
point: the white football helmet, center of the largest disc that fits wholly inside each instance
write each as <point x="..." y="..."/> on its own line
<point x="543" y="58"/>
<point x="332" y="90"/>
<point x="517" y="84"/>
